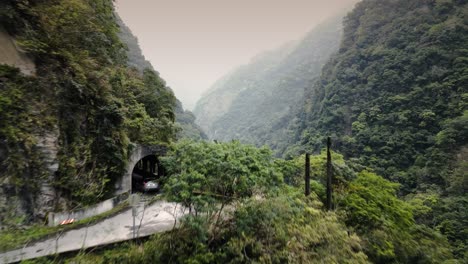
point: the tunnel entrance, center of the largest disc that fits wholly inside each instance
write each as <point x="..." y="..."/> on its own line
<point x="143" y="163"/>
<point x="147" y="174"/>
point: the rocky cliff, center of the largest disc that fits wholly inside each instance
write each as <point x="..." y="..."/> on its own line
<point x="70" y="106"/>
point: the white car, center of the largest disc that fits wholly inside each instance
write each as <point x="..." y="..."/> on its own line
<point x="150" y="185"/>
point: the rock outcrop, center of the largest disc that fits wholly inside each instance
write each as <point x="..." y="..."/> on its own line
<point x="12" y="55"/>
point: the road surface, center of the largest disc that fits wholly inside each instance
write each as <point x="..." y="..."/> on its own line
<point x="154" y="218"/>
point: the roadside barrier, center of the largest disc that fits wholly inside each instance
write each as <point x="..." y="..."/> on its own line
<point x="61" y="218"/>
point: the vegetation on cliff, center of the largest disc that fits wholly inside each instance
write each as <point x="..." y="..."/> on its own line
<point x="242" y="210"/>
<point x="184" y="119"/>
<point x="395" y="99"/>
<point x="84" y="93"/>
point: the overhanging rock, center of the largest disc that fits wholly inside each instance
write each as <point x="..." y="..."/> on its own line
<point x="12" y="55"/>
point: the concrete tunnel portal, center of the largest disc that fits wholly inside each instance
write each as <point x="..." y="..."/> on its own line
<point x="143" y="164"/>
<point x="146" y="169"/>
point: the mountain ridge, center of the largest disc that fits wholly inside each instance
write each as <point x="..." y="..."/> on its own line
<point x="230" y="108"/>
<point x="184" y="118"/>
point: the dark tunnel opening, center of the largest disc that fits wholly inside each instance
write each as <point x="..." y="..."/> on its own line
<point x="147" y="175"/>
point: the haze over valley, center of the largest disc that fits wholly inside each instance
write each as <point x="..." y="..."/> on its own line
<point x="194" y="43"/>
<point x="322" y="131"/>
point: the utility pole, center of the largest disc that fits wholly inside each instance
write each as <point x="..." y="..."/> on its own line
<point x="307" y="174"/>
<point x="329" y="176"/>
<point x="134" y="199"/>
<point x="134" y="213"/>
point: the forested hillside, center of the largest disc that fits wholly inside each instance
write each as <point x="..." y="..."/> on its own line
<point x="256" y="102"/>
<point x="65" y="132"/>
<point x="395" y="98"/>
<point x="185" y="120"/>
<point x="135" y="57"/>
<point x="392" y="94"/>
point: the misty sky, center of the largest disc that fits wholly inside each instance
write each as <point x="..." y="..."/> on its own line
<point x="192" y="43"/>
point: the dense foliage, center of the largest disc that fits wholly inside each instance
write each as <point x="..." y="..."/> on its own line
<point x="395" y="99"/>
<point x="226" y="171"/>
<point x="20" y="96"/>
<point x="386" y="224"/>
<point x="83" y="93"/>
<point x="240" y="210"/>
<point x="256" y="102"/>
<point x="397" y="88"/>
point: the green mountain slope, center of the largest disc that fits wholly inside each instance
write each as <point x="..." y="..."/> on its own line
<point x="395" y="98"/>
<point x="398" y="88"/>
<point x="135" y="56"/>
<point x="185" y="120"/>
<point x="65" y="131"/>
<point x="256" y="102"/>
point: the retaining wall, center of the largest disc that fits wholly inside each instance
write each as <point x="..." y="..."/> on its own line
<point x="55" y="219"/>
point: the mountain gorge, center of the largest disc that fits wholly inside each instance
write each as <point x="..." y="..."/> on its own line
<point x="388" y="84"/>
<point x="256" y="102"/>
<point x="393" y="98"/>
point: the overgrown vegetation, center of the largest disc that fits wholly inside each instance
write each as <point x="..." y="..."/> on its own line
<point x="395" y="99"/>
<point x="84" y="92"/>
<point x="19" y="98"/>
<point x="242" y="211"/>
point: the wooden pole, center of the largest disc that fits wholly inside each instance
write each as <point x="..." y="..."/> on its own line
<point x="329" y="176"/>
<point x="307" y="174"/>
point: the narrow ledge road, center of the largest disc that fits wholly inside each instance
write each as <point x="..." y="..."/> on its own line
<point x="154" y="218"/>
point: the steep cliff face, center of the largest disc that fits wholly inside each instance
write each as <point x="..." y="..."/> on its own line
<point x="65" y="131"/>
<point x="14" y="201"/>
<point x="396" y="90"/>
<point x="395" y="99"/>
<point x="256" y="103"/>
<point x="10" y="54"/>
